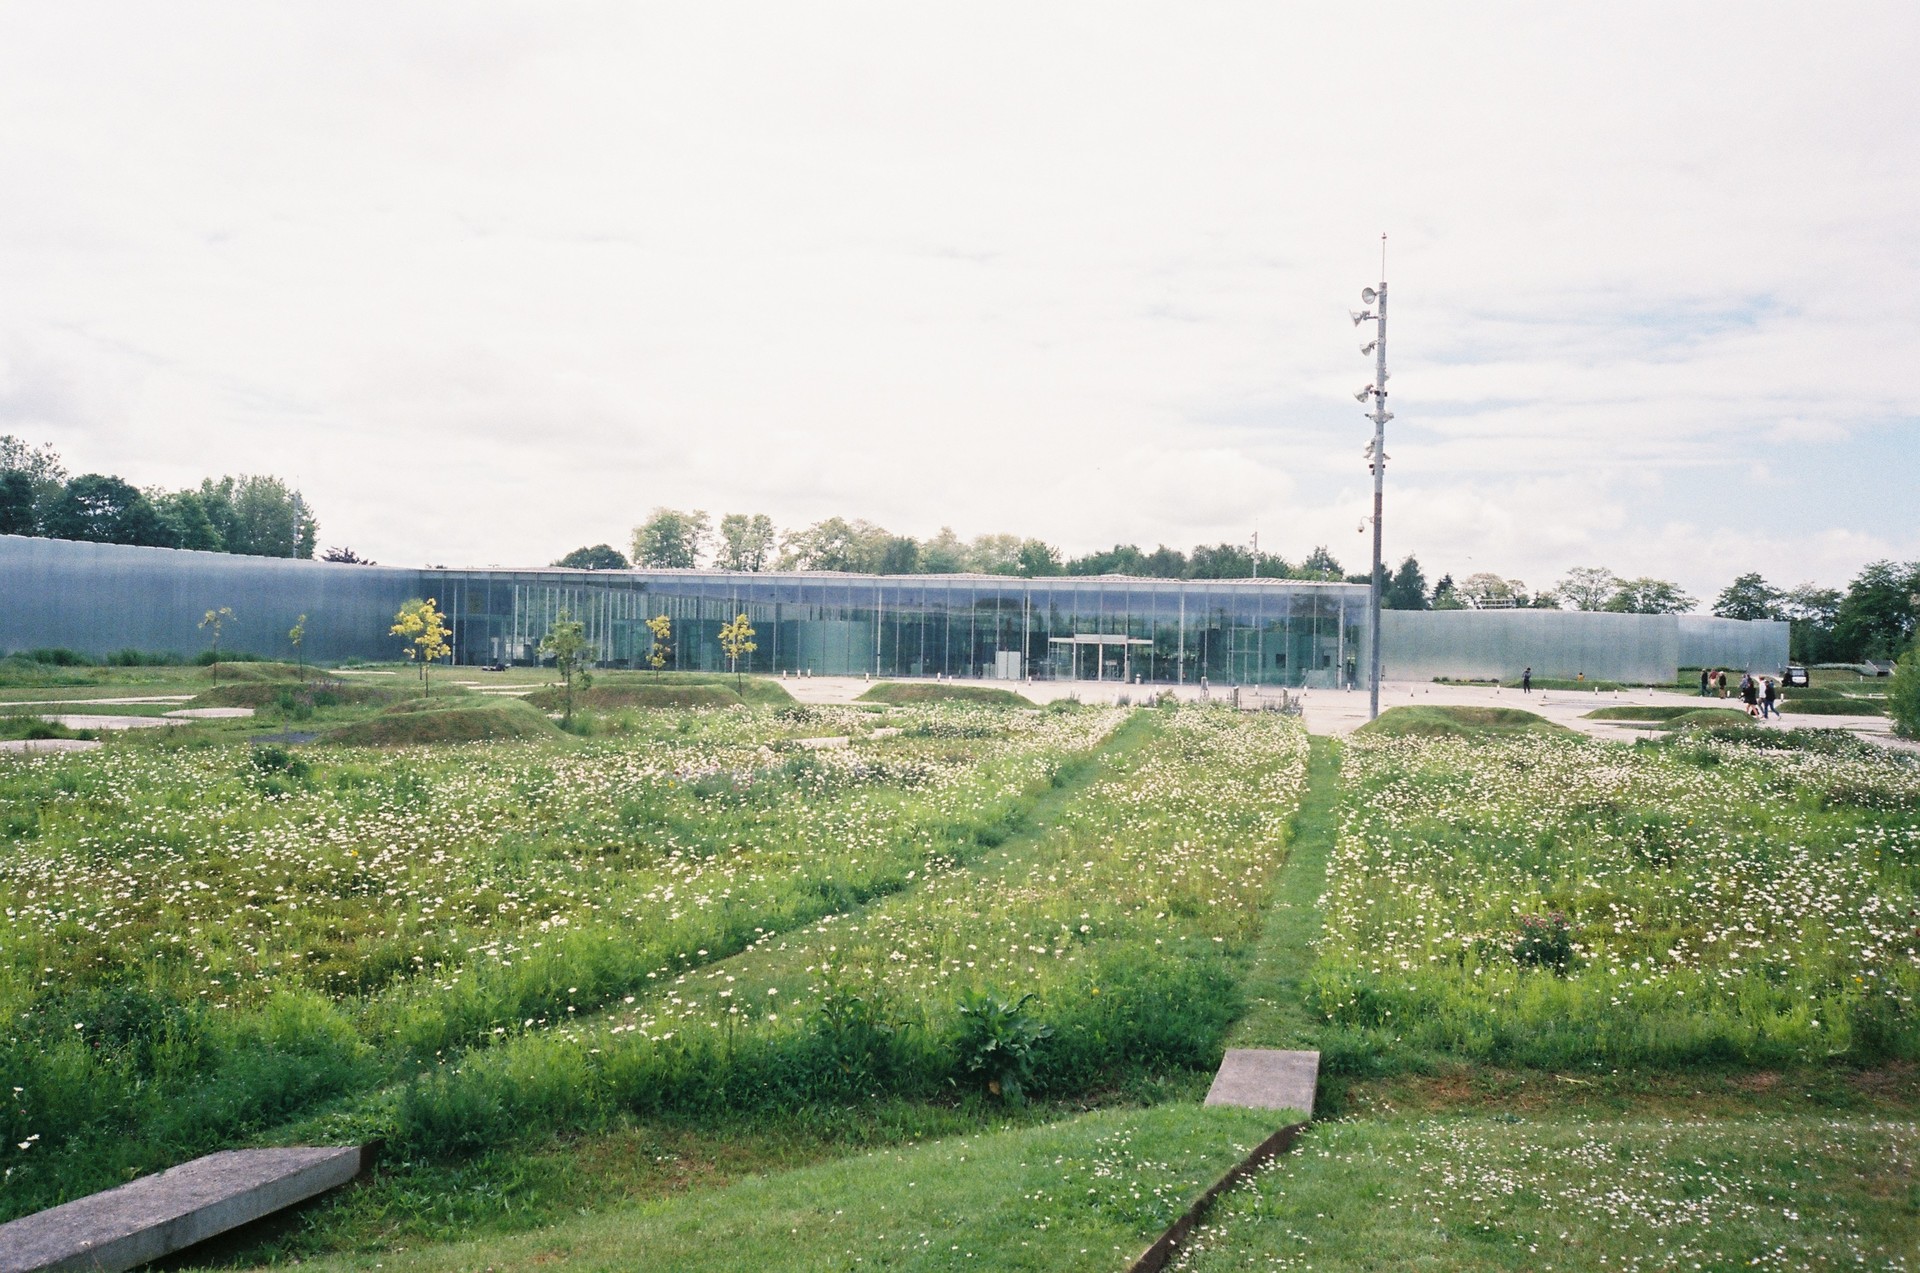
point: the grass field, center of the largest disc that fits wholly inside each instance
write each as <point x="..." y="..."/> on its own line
<point x="947" y="997"/>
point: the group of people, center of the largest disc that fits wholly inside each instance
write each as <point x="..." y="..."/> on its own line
<point x="1761" y="694"/>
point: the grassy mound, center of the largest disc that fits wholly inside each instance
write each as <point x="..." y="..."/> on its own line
<point x="1711" y="717"/>
<point x="607" y="697"/>
<point x="624" y="689"/>
<point x="1660" y="713"/>
<point x="316" y="693"/>
<point x="903" y="692"/>
<point x="451" y="720"/>
<point x="1826" y="702"/>
<point x="238" y="672"/>
<point x="1459" y="722"/>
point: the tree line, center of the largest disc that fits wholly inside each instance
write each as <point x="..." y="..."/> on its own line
<point x="256" y="515"/>
<point x="673" y="539"/>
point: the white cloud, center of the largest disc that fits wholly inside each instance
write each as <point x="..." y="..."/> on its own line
<point x="1072" y="273"/>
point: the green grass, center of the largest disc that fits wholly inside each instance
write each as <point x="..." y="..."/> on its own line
<point x="609" y="697"/>
<point x="456" y="719"/>
<point x="256" y="939"/>
<point x="1550" y="683"/>
<point x="1662" y="712"/>
<point x="1276" y="981"/>
<point x="1458" y="722"/>
<point x="902" y="692"/>
<point x="1727" y="899"/>
<point x="1086" y="1193"/>
<point x="1491" y="1191"/>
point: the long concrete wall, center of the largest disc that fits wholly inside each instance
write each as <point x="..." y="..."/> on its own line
<point x="1420" y="645"/>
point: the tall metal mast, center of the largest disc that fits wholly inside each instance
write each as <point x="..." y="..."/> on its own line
<point x="1376" y="452"/>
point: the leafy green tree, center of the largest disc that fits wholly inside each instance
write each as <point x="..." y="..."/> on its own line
<point x="17" y="504"/>
<point x="105" y="510"/>
<point x="944" y="554"/>
<point x="1445" y="596"/>
<point x="1319" y="565"/>
<point x="736" y="642"/>
<point x="1588" y="587"/>
<point x="994" y="555"/>
<point x="746" y="543"/>
<point x="1649" y="596"/>
<point x="213" y="622"/>
<point x="1749" y="597"/>
<point x="1903" y="694"/>
<point x="1038" y="558"/>
<point x="1487" y="591"/>
<point x="1810" y="611"/>
<point x="1166" y="563"/>
<point x="835" y="544"/>
<point x="296" y="637"/>
<point x="1121" y="559"/>
<point x="1876" y="618"/>
<point x="259" y="516"/>
<point x="566" y="644"/>
<point x="185" y="515"/>
<point x="598" y="557"/>
<point x="901" y="556"/>
<point x="345" y="556"/>
<point x="1407" y="589"/>
<point x="41" y="464"/>
<point x="670" y="539"/>
<point x="1219" y="561"/>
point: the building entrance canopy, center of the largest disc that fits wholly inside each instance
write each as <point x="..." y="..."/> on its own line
<point x="1099" y="640"/>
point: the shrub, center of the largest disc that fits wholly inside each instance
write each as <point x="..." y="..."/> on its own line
<point x="1903" y="695"/>
<point x="59" y="657"/>
<point x="1544" y="941"/>
<point x="997" y="1040"/>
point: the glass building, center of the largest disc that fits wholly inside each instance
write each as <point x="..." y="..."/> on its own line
<point x="98" y="598"/>
<point x="1269" y="632"/>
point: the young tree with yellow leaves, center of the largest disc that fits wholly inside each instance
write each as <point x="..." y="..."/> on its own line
<point x="662" y="628"/>
<point x="421" y="624"/>
<point x="736" y="640"/>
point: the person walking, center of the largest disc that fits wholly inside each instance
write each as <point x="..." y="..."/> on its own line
<point x="1721" y="678"/>
<point x="1769" y="699"/>
<point x="1706" y="683"/>
<point x="1750" y="693"/>
<point x="1526" y="681"/>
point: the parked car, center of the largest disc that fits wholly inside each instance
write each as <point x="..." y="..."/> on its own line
<point x="1794" y="674"/>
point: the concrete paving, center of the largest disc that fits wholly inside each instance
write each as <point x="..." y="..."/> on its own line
<point x="160" y="1214"/>
<point x="1267" y="1078"/>
<point x="97" y="702"/>
<point x="210" y="713"/>
<point x="44" y="746"/>
<point x="109" y="722"/>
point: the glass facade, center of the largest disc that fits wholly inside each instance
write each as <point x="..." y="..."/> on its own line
<point x="98" y="598"/>
<point x="1268" y="632"/>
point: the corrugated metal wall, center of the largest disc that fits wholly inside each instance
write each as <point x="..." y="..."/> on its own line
<point x="98" y="598"/>
<point x="1420" y="645"/>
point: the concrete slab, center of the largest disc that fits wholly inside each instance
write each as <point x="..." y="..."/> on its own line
<point x="1266" y="1078"/>
<point x="107" y="722"/>
<point x="158" y="1215"/>
<point x="95" y="702"/>
<point x="44" y="746"/>
<point x="210" y="713"/>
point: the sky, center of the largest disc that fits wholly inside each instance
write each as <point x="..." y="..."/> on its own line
<point x="488" y="282"/>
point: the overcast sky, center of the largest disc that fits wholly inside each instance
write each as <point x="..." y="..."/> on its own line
<point x="490" y="281"/>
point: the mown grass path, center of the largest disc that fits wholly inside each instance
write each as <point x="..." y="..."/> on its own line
<point x="1277" y="1016"/>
